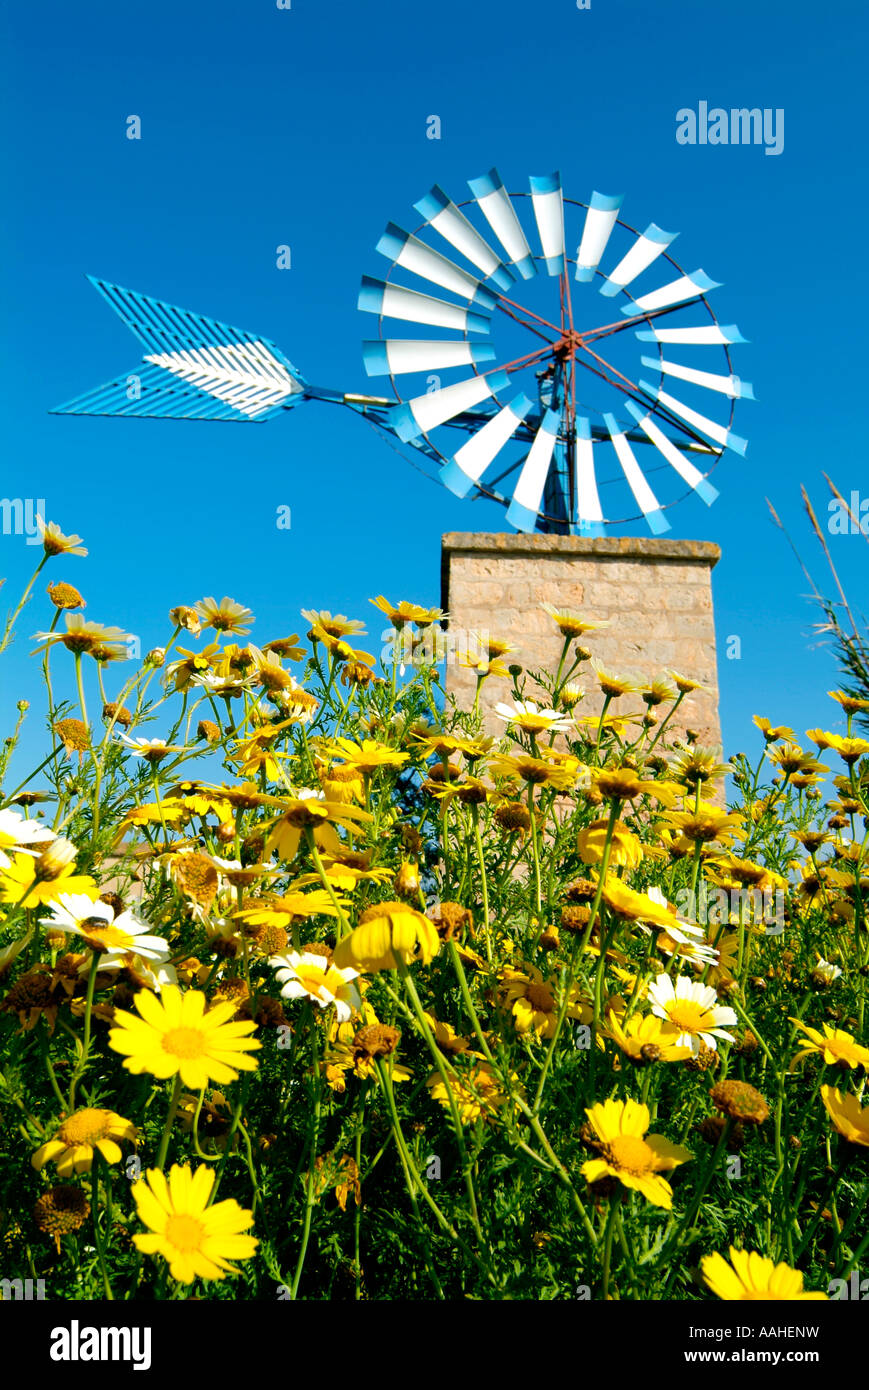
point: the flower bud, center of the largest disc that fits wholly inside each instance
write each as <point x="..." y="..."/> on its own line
<point x="55" y="858"/>
<point x="406" y="882"/>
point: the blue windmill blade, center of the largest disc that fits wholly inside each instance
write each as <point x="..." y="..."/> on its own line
<point x="195" y="368"/>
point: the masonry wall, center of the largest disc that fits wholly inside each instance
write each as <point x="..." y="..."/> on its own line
<point x="656" y="593"/>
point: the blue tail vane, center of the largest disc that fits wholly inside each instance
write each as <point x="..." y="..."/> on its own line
<point x="194" y="368"/>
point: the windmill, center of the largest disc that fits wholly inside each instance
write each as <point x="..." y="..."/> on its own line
<point x="570" y="436"/>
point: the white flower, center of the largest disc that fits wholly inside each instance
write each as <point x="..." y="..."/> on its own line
<point x="221" y="686"/>
<point x="306" y="975"/>
<point x="526" y="716"/>
<point x="19" y="834"/>
<point x="826" y="972"/>
<point x="152" y="974"/>
<point x="71" y="910"/>
<point x="694" y="1009"/>
<point x="151" y="748"/>
<point x="97" y="924"/>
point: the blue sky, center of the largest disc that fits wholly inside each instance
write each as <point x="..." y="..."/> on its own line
<point x="307" y="127"/>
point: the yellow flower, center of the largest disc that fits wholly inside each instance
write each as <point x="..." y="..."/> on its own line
<point x="21" y="883"/>
<point x="626" y="1152"/>
<point x="570" y="623"/>
<point x="850" y="1119"/>
<point x="476" y="1090"/>
<point x="532" y="1001"/>
<point x="625" y="848"/>
<point x="638" y="907"/>
<point x="706" y="823"/>
<point x="177" y="1034"/>
<point x="520" y="767"/>
<point x="833" y="1044"/>
<point x="337" y="626"/>
<point x="310" y="812"/>
<point x="54" y="542"/>
<point x="407" y="612"/>
<point x="84" y="636"/>
<point x="446" y="1037"/>
<point x="348" y="870"/>
<point x="388" y="932"/>
<point x="849" y="749"/>
<point x="365" y="757"/>
<point x="226" y="616"/>
<point x="751" y="1276"/>
<point x="851" y="704"/>
<point x="526" y="716"/>
<point x="625" y="784"/>
<point x="198" y="1240"/>
<point x="772" y="735"/>
<point x="292" y="907"/>
<point x="614" y="686"/>
<point x="685" y="684"/>
<point x="647" y="1039"/>
<point x="72" y="1149"/>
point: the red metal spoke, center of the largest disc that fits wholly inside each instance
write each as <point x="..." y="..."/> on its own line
<point x="529" y="326"/>
<point x="517" y="362"/>
<point x="610" y="328"/>
<point x="502" y="299"/>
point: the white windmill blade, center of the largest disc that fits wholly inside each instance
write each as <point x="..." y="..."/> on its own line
<point x="589" y="513"/>
<point x="245" y="376"/>
<point x="406" y="250"/>
<point x="600" y="218"/>
<point x="494" y="203"/>
<point x="719" y="433"/>
<point x="528" y="493"/>
<point x="436" y="407"/>
<point x="728" y="385"/>
<point x="686" y="470"/>
<point x="395" y="302"/>
<point x="703" y="335"/>
<point x="441" y="213"/>
<point x="468" y="465"/>
<point x="397" y="356"/>
<point x="686" y="287"/>
<point x="548" y="204"/>
<point x="644" y="252"/>
<point x="643" y="494"/>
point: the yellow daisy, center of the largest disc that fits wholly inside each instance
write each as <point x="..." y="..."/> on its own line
<point x="176" y="1034"/>
<point x="647" y="1039"/>
<point x="850" y="1119"/>
<point x="626" y="1152"/>
<point x="72" y="1148"/>
<point x="833" y="1044"/>
<point x="23" y="882"/>
<point x="751" y="1276"/>
<point x="386" y="931"/>
<point x="477" y="1091"/>
<point x="198" y="1240"/>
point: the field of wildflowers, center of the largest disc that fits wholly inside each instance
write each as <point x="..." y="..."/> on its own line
<point x="310" y="989"/>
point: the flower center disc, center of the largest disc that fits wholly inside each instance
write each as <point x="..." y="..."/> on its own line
<point x="540" y="998"/>
<point x="86" y="1127"/>
<point x="184" y="1042"/>
<point x="631" y="1154"/>
<point x="690" y="1016"/>
<point x="184" y="1232"/>
<point x="107" y="936"/>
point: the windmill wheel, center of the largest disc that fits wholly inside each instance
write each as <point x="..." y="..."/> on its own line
<point x="528" y="387"/>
